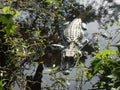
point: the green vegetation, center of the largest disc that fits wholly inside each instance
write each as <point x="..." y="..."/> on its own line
<point x="106" y="66"/>
<point x="14" y="49"/>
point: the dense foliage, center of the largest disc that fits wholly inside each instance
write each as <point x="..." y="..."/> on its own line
<point x="28" y="27"/>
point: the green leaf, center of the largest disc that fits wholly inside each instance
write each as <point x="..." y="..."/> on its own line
<point x="48" y="1"/>
<point x="7" y="23"/>
<point x="96" y="64"/>
<point x="103" y="53"/>
<point x="116" y="23"/>
<point x="87" y="74"/>
<point x="1" y="84"/>
<point x="12" y="29"/>
<point x="6" y="19"/>
<point x="55" y="2"/>
<point x="14" y="12"/>
<point x="6" y="9"/>
<point x="61" y="16"/>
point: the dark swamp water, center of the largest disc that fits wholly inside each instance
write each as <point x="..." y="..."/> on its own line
<point x="75" y="80"/>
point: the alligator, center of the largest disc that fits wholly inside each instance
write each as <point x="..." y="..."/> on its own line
<point x="74" y="39"/>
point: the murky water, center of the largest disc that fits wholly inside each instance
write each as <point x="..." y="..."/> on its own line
<point x="72" y="81"/>
<point x="71" y="78"/>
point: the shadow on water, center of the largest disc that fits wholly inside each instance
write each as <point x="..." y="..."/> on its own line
<point x="34" y="82"/>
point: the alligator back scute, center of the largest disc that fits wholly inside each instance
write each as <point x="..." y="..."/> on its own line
<point x="73" y="35"/>
<point x="74" y="32"/>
